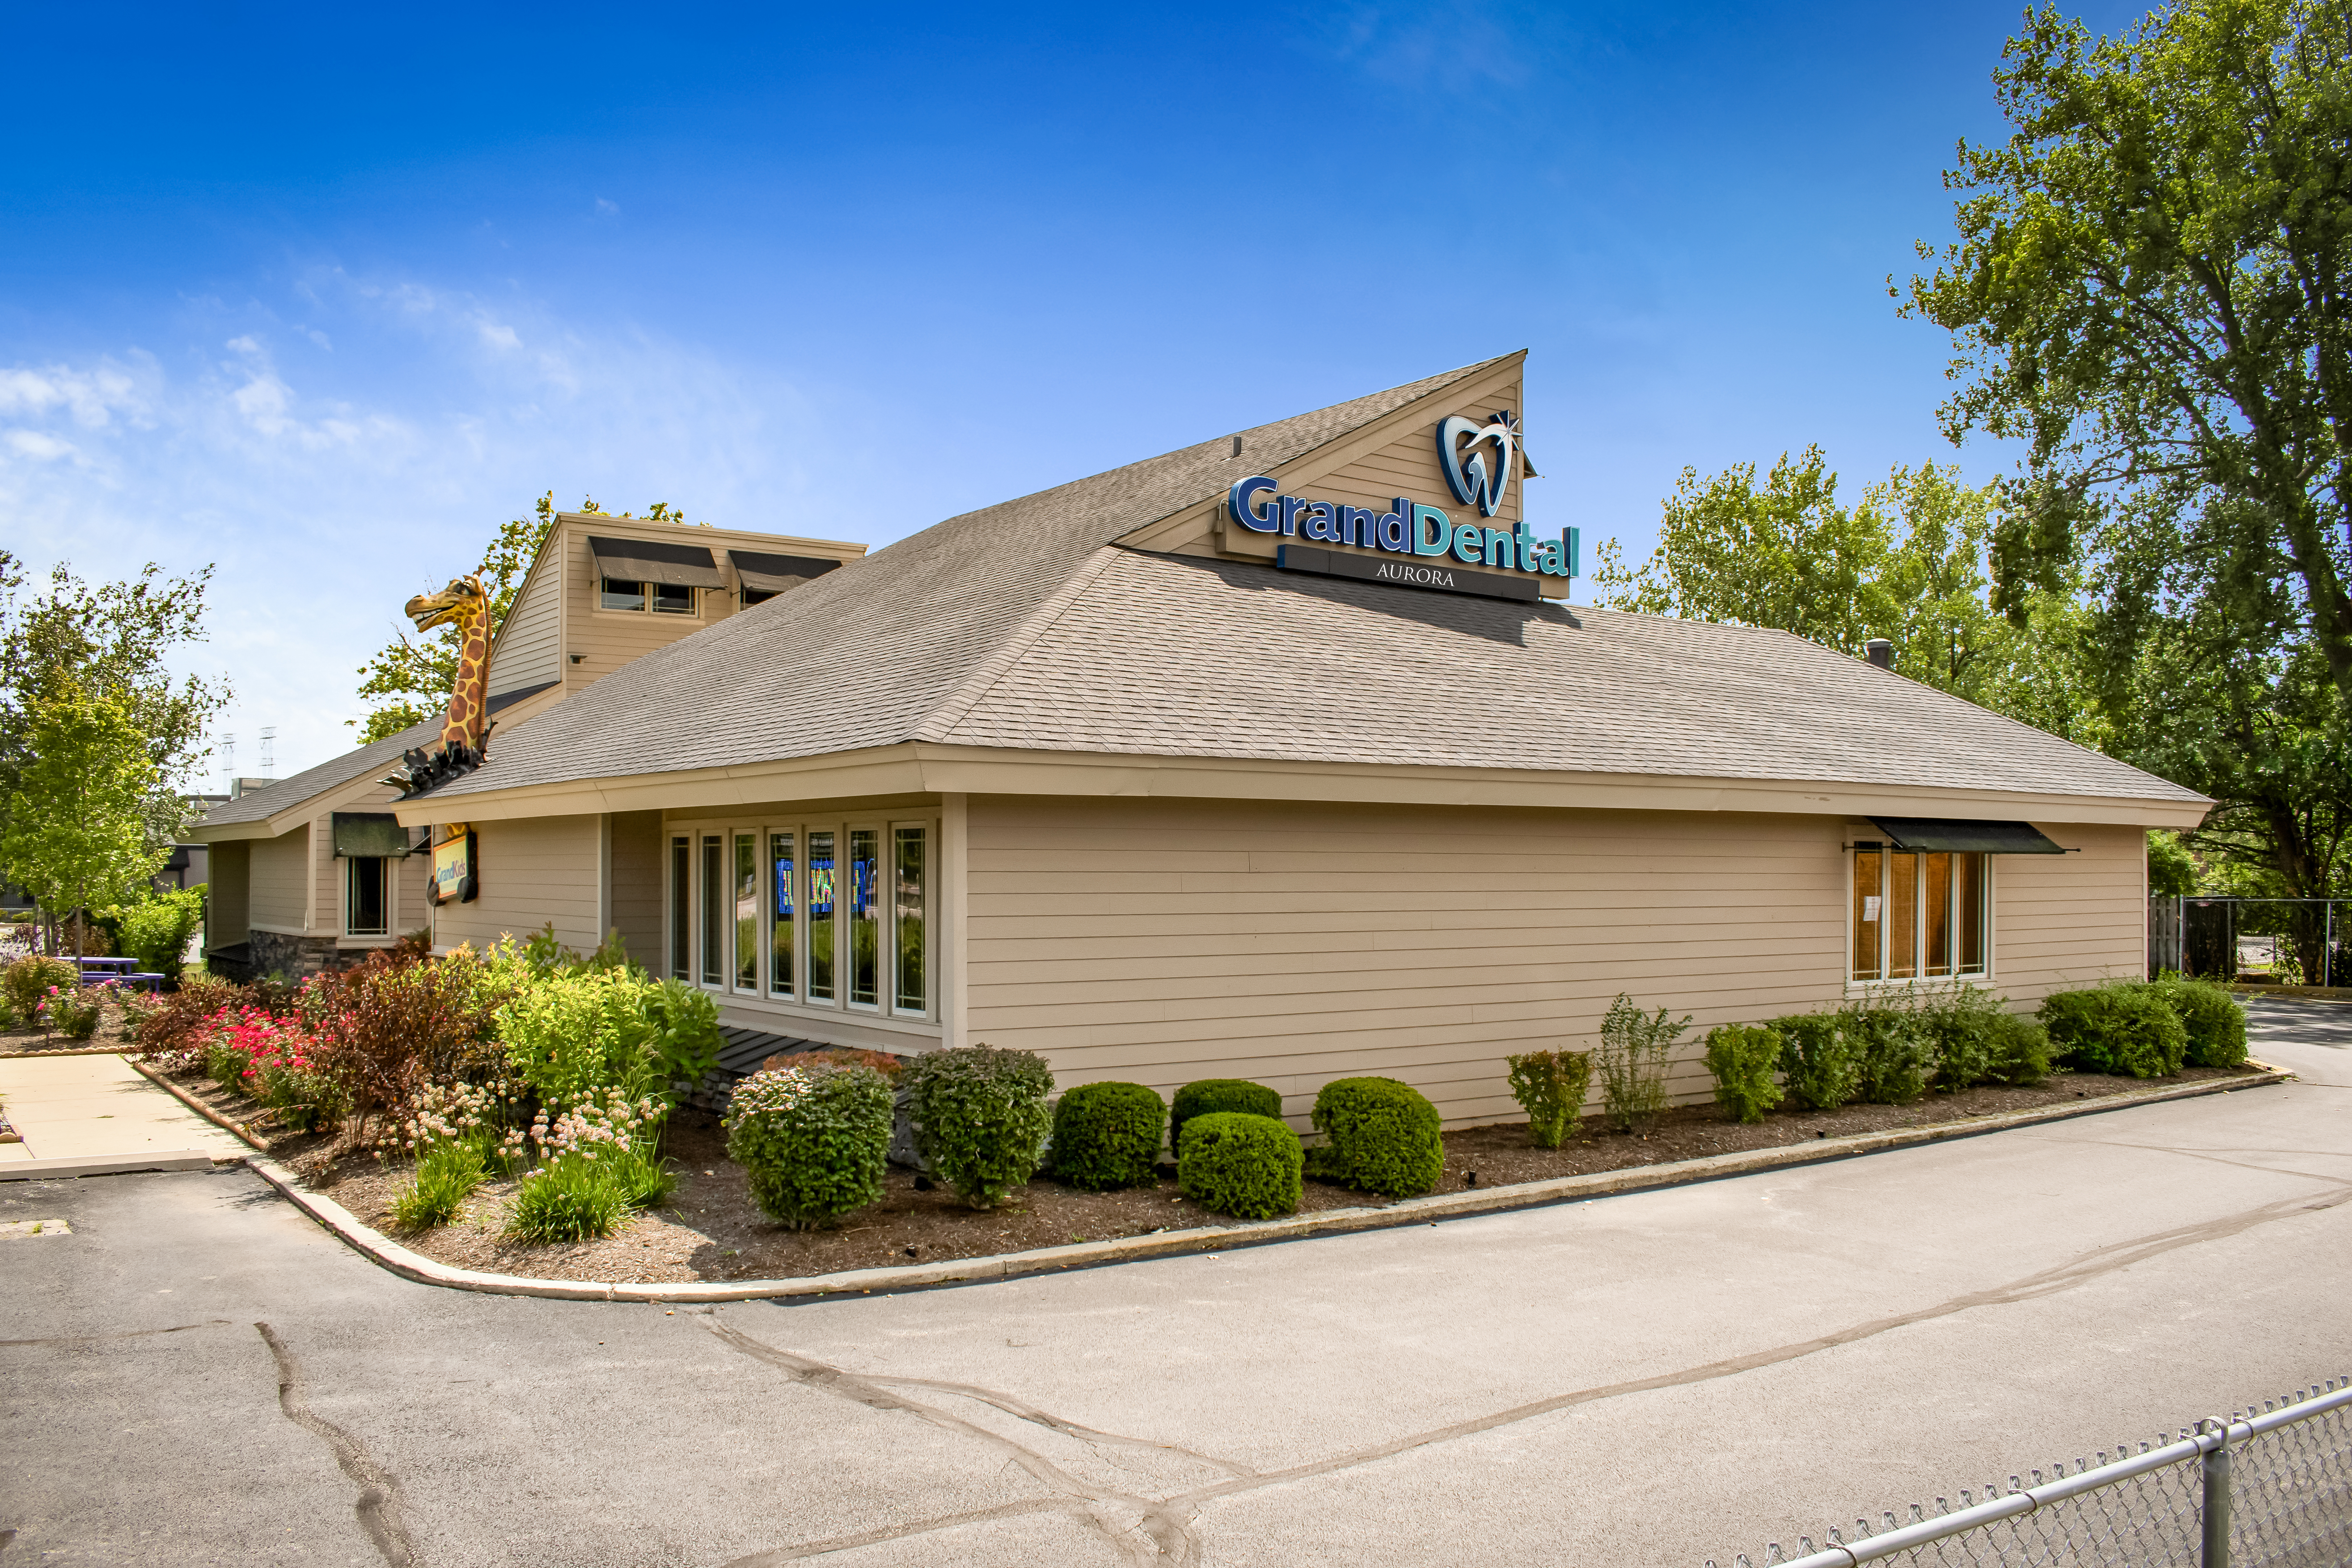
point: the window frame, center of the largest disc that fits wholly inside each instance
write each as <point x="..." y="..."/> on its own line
<point x="691" y="905"/>
<point x="1954" y="882"/>
<point x="388" y="893"/>
<point x="648" y="595"/>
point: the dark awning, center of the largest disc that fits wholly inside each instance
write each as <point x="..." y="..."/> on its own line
<point x="364" y="833"/>
<point x="774" y="573"/>
<point x="1960" y="834"/>
<point x="644" y="561"/>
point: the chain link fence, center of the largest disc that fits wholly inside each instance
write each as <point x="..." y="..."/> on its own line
<point x="2267" y="1488"/>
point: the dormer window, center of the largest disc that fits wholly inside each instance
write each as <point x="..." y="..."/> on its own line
<point x="661" y="598"/>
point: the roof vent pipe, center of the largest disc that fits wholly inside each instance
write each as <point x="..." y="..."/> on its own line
<point x="1880" y="652"/>
<point x="1238" y="446"/>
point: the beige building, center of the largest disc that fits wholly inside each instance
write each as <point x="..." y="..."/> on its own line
<point x="1280" y="757"/>
<point x="311" y="872"/>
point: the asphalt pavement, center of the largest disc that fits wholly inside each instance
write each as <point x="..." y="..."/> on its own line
<point x="191" y="1371"/>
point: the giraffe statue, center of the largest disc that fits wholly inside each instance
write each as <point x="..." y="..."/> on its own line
<point x="465" y="730"/>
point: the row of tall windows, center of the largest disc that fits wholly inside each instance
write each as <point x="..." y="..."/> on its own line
<point x="1919" y="915"/>
<point x="832" y="916"/>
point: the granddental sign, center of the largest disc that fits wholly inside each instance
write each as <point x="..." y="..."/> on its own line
<point x="1427" y="536"/>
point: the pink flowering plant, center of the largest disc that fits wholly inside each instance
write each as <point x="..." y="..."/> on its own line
<point x="71" y="1010"/>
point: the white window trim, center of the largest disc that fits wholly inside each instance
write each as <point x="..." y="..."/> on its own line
<point x="883" y="1012"/>
<point x="1918" y="982"/>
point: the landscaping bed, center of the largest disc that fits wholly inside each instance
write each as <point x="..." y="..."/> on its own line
<point x="712" y="1232"/>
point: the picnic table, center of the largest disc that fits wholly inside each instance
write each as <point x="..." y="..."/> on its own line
<point x="119" y="970"/>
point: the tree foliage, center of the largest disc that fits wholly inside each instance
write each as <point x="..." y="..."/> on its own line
<point x="2153" y="285"/>
<point x="110" y="641"/>
<point x="409" y="680"/>
<point x="1908" y="562"/>
<point x="77" y="833"/>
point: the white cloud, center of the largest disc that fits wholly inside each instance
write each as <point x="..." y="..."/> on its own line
<point x="38" y="445"/>
<point x="93" y="396"/>
<point x="607" y="209"/>
<point x="244" y="345"/>
<point x="497" y="335"/>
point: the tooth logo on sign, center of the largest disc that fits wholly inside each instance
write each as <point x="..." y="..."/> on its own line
<point x="1467" y="470"/>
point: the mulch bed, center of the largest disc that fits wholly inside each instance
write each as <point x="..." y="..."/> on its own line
<point x="711" y="1231"/>
<point x="107" y="1037"/>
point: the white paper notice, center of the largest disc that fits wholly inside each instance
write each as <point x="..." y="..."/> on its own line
<point x="1869" y="907"/>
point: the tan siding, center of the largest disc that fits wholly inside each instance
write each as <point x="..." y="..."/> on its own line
<point x="413" y="878"/>
<point x="638" y="881"/>
<point x="228" y="910"/>
<point x="278" y="886"/>
<point x="530" y="650"/>
<point x="532" y="871"/>
<point x="2061" y="921"/>
<point x="1162" y="942"/>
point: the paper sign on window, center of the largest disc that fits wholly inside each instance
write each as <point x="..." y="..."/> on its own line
<point x="1870" y="907"/>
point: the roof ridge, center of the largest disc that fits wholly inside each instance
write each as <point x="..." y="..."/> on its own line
<point x="968" y="692"/>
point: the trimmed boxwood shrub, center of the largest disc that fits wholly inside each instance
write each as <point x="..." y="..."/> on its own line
<point x="2125" y="1027"/>
<point x="1743" y="1057"/>
<point x="1820" y="1063"/>
<point x="980" y="1118"/>
<point x="1384" y="1137"/>
<point x="1236" y="1163"/>
<point x="1211" y="1094"/>
<point x="1108" y="1135"/>
<point x="2215" y="1025"/>
<point x="812" y="1139"/>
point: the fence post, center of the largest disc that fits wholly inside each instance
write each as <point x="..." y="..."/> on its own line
<point x="2216" y="1504"/>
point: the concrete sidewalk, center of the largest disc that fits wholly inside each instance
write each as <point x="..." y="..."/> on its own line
<point x="98" y="1108"/>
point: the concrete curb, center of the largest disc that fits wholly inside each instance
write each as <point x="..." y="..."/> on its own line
<point x="193" y="1104"/>
<point x="106" y="1165"/>
<point x="64" y="1051"/>
<point x="411" y="1265"/>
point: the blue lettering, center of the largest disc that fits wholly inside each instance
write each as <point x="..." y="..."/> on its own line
<point x="1318" y="522"/>
<point x="1431" y="531"/>
<point x="1242" y="501"/>
<point x="1501" y="549"/>
<point x="1291" y="506"/>
<point x="1469" y="541"/>
<point x="1356" y="528"/>
<point x="1395" y="528"/>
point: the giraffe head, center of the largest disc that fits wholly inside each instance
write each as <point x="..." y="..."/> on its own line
<point x="462" y="600"/>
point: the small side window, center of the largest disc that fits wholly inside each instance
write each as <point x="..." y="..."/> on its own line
<point x="365" y="905"/>
<point x="620" y="594"/>
<point x="669" y="599"/>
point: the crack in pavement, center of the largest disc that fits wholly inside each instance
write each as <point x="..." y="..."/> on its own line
<point x="379" y="1501"/>
<point x="1174" y="1540"/>
<point x="110" y="1339"/>
<point x="1154" y="1534"/>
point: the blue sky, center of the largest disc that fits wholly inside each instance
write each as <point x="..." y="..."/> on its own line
<point x="324" y="297"/>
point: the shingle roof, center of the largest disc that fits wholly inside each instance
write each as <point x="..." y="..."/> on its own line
<point x="1024" y="626"/>
<point x="866" y="655"/>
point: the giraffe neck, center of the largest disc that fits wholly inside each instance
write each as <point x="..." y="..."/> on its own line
<point x="467" y="698"/>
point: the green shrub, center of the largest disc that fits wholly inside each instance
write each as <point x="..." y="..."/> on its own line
<point x="155" y="930"/>
<point x="29" y="979"/>
<point x="1550" y="1087"/>
<point x="813" y="1140"/>
<point x="304" y="1098"/>
<point x="644" y="1177"/>
<point x="1382" y="1137"/>
<point x="2126" y="1028"/>
<point x="568" y="1035"/>
<point x="685" y="1041"/>
<point x="1631" y="1060"/>
<point x="1745" y="1059"/>
<point x="1820" y="1063"/>
<point x="2215" y="1024"/>
<point x="1237" y="1164"/>
<point x="1894" y="1053"/>
<point x="1108" y="1135"/>
<point x="980" y="1118"/>
<point x="71" y="1010"/>
<point x="575" y="1198"/>
<point x="447" y="1175"/>
<point x="1214" y="1094"/>
<point x="2020" y="1051"/>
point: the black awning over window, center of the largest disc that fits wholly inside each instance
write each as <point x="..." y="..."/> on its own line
<point x="645" y="561"/>
<point x="359" y="834"/>
<point x="1962" y="835"/>
<point x="767" y="573"/>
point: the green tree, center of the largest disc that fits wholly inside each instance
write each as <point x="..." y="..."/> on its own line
<point x="77" y="831"/>
<point x="1909" y="562"/>
<point x="115" y="639"/>
<point x="2153" y="285"/>
<point x="409" y="679"/>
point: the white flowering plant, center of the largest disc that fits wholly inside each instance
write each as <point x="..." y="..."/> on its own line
<point x="814" y="1138"/>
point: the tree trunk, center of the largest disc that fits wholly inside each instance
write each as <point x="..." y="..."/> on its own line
<point x="81" y="904"/>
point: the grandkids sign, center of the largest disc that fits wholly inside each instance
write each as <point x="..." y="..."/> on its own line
<point x="1411" y="529"/>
